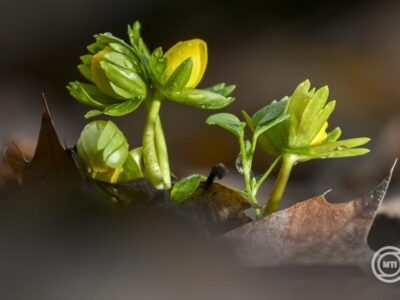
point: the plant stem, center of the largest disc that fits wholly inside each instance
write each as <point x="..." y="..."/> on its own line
<point x="246" y="165"/>
<point x="150" y="156"/>
<point x="288" y="161"/>
<point x="162" y="155"/>
<point x="266" y="174"/>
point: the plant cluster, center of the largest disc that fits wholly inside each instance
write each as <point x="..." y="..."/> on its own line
<point x="124" y="75"/>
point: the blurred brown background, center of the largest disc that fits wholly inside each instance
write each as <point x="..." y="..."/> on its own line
<point x="265" y="47"/>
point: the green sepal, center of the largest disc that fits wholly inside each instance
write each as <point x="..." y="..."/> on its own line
<point x="227" y="121"/>
<point x="333" y="135"/>
<point x="343" y="148"/>
<point x="222" y="89"/>
<point x="132" y="168"/>
<point x="185" y="187"/>
<point x="125" y="83"/>
<point x="102" y="144"/>
<point x="181" y="75"/>
<point x="85" y="71"/>
<point x="157" y="65"/>
<point x="116" y="110"/>
<point x="122" y="60"/>
<point x="89" y="94"/>
<point x="86" y="59"/>
<point x="199" y="98"/>
<point x="136" y="39"/>
<point x="341" y="145"/>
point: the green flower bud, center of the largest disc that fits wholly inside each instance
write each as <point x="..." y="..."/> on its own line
<point x="103" y="149"/>
<point x="117" y="75"/>
<point x="304" y="132"/>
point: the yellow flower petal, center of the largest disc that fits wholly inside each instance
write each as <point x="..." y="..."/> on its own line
<point x="321" y="136"/>
<point x="197" y="50"/>
<point x="98" y="76"/>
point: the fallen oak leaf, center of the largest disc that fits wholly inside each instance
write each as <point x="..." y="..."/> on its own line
<point x="51" y="163"/>
<point x="311" y="232"/>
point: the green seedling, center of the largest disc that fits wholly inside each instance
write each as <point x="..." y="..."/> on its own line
<point x="247" y="149"/>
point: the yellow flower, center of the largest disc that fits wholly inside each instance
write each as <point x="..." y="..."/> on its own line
<point x="197" y="50"/>
<point x="321" y="136"/>
<point x="98" y="75"/>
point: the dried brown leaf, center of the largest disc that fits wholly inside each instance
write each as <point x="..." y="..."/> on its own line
<point x="51" y="165"/>
<point x="311" y="232"/>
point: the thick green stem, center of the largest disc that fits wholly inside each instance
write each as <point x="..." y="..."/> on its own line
<point x="150" y="156"/>
<point x="162" y="155"/>
<point x="288" y="161"/>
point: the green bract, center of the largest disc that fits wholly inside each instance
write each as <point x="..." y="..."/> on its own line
<point x="123" y="75"/>
<point x="118" y="78"/>
<point x="304" y="131"/>
<point x="104" y="150"/>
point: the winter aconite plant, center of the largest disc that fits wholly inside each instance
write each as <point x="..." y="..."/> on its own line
<point x="292" y="130"/>
<point x="124" y="75"/>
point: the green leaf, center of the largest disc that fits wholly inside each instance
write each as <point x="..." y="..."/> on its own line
<point x="117" y="110"/>
<point x="85" y="71"/>
<point x="341" y="145"/>
<point x="200" y="98"/>
<point x="299" y="99"/>
<point x="267" y="126"/>
<point x="180" y="77"/>
<point x="99" y="151"/>
<point x="306" y="129"/>
<point x="122" y="50"/>
<point x="157" y="65"/>
<point x="134" y="33"/>
<point x="341" y="153"/>
<point x="314" y="106"/>
<point x="107" y="134"/>
<point x="269" y="112"/>
<point x="184" y="188"/>
<point x="138" y="44"/>
<point x="89" y="94"/>
<point x="86" y="59"/>
<point x="333" y="136"/>
<point x="107" y="38"/>
<point x="130" y="83"/>
<point x="123" y="61"/>
<point x="222" y="89"/>
<point x="227" y="121"/>
<point x="132" y="166"/>
<point x="96" y="47"/>
<point x="248" y="120"/>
